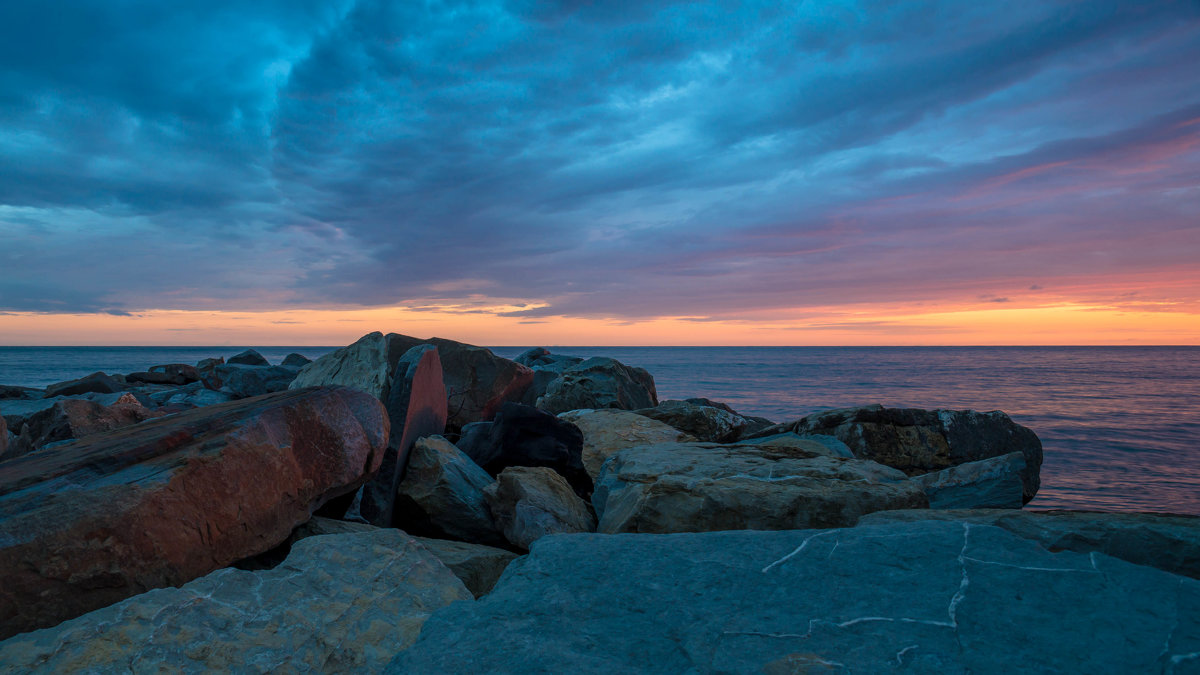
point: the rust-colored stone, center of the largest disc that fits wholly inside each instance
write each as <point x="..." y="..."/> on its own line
<point x="87" y="524"/>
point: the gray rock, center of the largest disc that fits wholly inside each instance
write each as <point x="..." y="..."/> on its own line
<point x="339" y="603"/>
<point x="600" y="383"/>
<point x="295" y="360"/>
<point x="698" y="487"/>
<point x="98" y="382"/>
<point x="248" y="358"/>
<point x="540" y="357"/>
<point x="918" y="597"/>
<point x="1168" y="542"/>
<point x="441" y="495"/>
<point x="72" y="418"/>
<point x="993" y="483"/>
<point x="194" y="395"/>
<point x="242" y="381"/>
<point x="608" y="431"/>
<point x="182" y="371"/>
<point x="820" y="444"/>
<point x="709" y="424"/>
<point x="366" y="365"/>
<point x="530" y="502"/>
<point x="17" y="411"/>
<point x="920" y="441"/>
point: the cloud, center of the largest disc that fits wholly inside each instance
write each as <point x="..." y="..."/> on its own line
<point x="618" y="160"/>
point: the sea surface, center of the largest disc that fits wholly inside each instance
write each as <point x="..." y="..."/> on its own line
<point x="1120" y="425"/>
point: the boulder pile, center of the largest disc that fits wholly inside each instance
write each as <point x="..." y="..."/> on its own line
<point x="410" y="505"/>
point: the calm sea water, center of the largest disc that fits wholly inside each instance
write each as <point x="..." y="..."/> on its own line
<point x="1120" y="425"/>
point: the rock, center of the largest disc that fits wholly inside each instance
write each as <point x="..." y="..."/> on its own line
<point x="366" y="365"/>
<point x="155" y="378"/>
<point x="607" y="431"/>
<point x="478" y="382"/>
<point x="919" y="441"/>
<point x="697" y="487"/>
<point x="986" y="484"/>
<point x="530" y="502"/>
<point x="169" y="500"/>
<point x="340" y="603"/>
<point x="207" y="369"/>
<point x="3" y="438"/>
<point x="477" y="566"/>
<point x="542" y="377"/>
<point x="417" y="407"/>
<point x="295" y="360"/>
<point x="525" y="436"/>
<point x="248" y="358"/>
<point x="182" y="370"/>
<point x="815" y="443"/>
<point x="96" y="382"/>
<point x="441" y="495"/>
<point x="919" y="597"/>
<point x="706" y="423"/>
<point x="600" y="382"/>
<point x="193" y="395"/>
<point x="9" y="392"/>
<point x="241" y="381"/>
<point x="18" y="411"/>
<point x="71" y="418"/>
<point x="1167" y="542"/>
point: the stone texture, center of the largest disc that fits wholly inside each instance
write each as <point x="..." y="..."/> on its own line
<point x="477" y="566"/>
<point x="8" y="391"/>
<point x="340" y="603"/>
<point x="608" y="431"/>
<point x="366" y="365"/>
<point x="441" y="495"/>
<point x="993" y="483"/>
<point x="416" y="406"/>
<point x="242" y="381"/>
<point x="295" y="360"/>
<point x="478" y="382"/>
<point x="182" y="370"/>
<point x="919" y="441"/>
<point x="815" y="443"/>
<point x="525" y="436"/>
<point x="97" y="382"/>
<point x="248" y="358"/>
<point x="77" y="418"/>
<point x="92" y="522"/>
<point x="697" y="487"/>
<point x="530" y="502"/>
<point x="192" y="395"/>
<point x="600" y="382"/>
<point x="1168" y="542"/>
<point x="919" y="597"/>
<point x="706" y="423"/>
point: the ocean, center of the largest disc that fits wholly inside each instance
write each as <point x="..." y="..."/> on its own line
<point x="1120" y="425"/>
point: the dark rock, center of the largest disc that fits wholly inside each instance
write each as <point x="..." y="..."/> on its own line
<point x="993" y="483"/>
<point x="3" y="438"/>
<point x="166" y="501"/>
<point x="441" y="495"/>
<point x="249" y="381"/>
<point x="478" y="382"/>
<point x="193" y="395"/>
<point x="207" y="369"/>
<point x="697" y="487"/>
<point x="920" y="597"/>
<point x="248" y="358"/>
<point x="540" y="357"/>
<point x="96" y="382"/>
<point x="542" y="377"/>
<point x="1169" y="542"/>
<point x="150" y="377"/>
<point x="9" y="392"/>
<point x="72" y="418"/>
<point x="530" y="502"/>
<point x="710" y="424"/>
<point x="525" y="436"/>
<point x="919" y="441"/>
<point x="340" y="603"/>
<point x="417" y="407"/>
<point x="295" y="360"/>
<point x="181" y="370"/>
<point x="600" y="383"/>
<point x="17" y="411"/>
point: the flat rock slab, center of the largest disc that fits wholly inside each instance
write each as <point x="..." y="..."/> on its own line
<point x="339" y="603"/>
<point x="86" y="524"/>
<point x="927" y="597"/>
<point x="702" y="487"/>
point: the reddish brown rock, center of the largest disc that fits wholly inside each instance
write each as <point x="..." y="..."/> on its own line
<point x="86" y="524"/>
<point x="77" y="418"/>
<point x="478" y="382"/>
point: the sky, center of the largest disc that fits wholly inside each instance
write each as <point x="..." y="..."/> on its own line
<point x="589" y="173"/>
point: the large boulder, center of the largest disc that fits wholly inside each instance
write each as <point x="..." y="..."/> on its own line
<point x="98" y="382"/>
<point x="698" y="487"/>
<point x="821" y="445"/>
<point x="182" y="371"/>
<point x="241" y="381"/>
<point x="530" y="502"/>
<point x="366" y="365"/>
<point x="295" y="360"/>
<point x="919" y="597"/>
<point x="248" y="358"/>
<point x="704" y="422"/>
<point x="600" y="382"/>
<point x="192" y="395"/>
<point x="441" y="495"/>
<point x="993" y="483"/>
<point x="525" y="436"/>
<point x="3" y="438"/>
<point x="160" y="503"/>
<point x="1168" y="542"/>
<point x="340" y="603"/>
<point x="607" y="431"/>
<point x="478" y="382"/>
<point x="416" y="406"/>
<point x="72" y="418"/>
<point x="918" y="441"/>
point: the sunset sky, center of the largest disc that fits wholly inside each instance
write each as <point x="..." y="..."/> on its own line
<point x="600" y="173"/>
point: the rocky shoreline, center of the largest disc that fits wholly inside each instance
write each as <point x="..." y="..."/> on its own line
<point x="408" y="505"/>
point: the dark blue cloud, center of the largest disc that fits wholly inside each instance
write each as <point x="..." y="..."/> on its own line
<point x="597" y="159"/>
